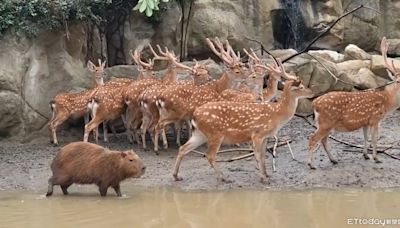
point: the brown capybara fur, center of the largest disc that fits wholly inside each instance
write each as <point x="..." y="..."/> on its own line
<point x="87" y="163"/>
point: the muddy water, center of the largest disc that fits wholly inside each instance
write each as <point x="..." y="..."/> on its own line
<point x="167" y="207"/>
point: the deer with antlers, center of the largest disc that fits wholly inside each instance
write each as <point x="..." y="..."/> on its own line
<point x="66" y="105"/>
<point x="236" y="122"/>
<point x="179" y="103"/>
<point x="349" y="111"/>
<point x="109" y="102"/>
<point x="147" y="99"/>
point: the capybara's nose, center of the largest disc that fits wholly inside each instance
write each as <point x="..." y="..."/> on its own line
<point x="144" y="168"/>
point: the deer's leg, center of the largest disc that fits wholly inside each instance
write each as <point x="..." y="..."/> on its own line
<point x="259" y="154"/>
<point x="111" y="125"/>
<point x="58" y="120"/>
<point x="164" y="138"/>
<point x="135" y="126"/>
<point x="312" y="144"/>
<point x="213" y="147"/>
<point x="327" y="149"/>
<point x="178" y="130"/>
<point x="375" y="134"/>
<point x="143" y="128"/>
<point x="365" y="150"/>
<point x="195" y="141"/>
<point x="105" y="131"/>
<point x="128" y="130"/>
<point x="94" y="123"/>
<point x="189" y="127"/>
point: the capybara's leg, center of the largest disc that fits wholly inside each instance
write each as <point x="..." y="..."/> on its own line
<point x="103" y="190"/>
<point x="64" y="188"/>
<point x="50" y="188"/>
<point x="117" y="189"/>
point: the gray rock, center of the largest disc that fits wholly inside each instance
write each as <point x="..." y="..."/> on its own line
<point x="378" y="66"/>
<point x="352" y="52"/>
<point x="363" y="78"/>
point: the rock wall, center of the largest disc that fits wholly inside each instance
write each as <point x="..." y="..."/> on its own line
<point x="32" y="72"/>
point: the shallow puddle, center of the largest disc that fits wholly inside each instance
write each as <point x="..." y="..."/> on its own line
<point x="169" y="207"/>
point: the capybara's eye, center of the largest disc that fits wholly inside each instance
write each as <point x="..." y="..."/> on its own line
<point x="131" y="160"/>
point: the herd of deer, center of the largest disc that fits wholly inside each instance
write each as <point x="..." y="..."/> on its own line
<point x="233" y="109"/>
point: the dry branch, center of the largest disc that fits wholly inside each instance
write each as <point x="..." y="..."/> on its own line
<point x="251" y="154"/>
<point x="323" y="33"/>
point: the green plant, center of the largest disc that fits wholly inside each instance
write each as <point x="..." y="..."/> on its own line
<point x="148" y="6"/>
<point x="28" y="17"/>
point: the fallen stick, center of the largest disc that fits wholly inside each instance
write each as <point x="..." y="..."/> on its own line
<point x="234" y="150"/>
<point x="249" y="154"/>
<point x="198" y="152"/>
<point x="383" y="152"/>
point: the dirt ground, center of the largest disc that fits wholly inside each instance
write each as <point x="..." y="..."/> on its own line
<point x="27" y="166"/>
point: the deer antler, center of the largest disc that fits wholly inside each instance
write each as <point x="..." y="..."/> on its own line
<point x="392" y="68"/>
<point x="136" y="57"/>
<point x="286" y="75"/>
<point x="156" y="56"/>
<point x="174" y="61"/>
<point x="222" y="54"/>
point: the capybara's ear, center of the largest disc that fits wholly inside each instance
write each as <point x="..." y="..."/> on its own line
<point x="123" y="154"/>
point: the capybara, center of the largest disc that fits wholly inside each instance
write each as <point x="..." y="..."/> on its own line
<point x="88" y="163"/>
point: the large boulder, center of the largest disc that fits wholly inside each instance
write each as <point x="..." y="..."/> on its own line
<point x="379" y="68"/>
<point x="331" y="56"/>
<point x="363" y="78"/>
<point x="363" y="27"/>
<point x="352" y="52"/>
<point x="233" y="20"/>
<point x="353" y="65"/>
<point x="394" y="47"/>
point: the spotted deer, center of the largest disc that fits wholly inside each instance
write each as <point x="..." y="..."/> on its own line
<point x="109" y="102"/>
<point x="147" y="99"/>
<point x="349" y="111"/>
<point x="236" y="122"/>
<point x="66" y="105"/>
<point x="179" y="103"/>
<point x="146" y="78"/>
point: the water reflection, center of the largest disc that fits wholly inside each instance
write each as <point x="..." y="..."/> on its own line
<point x="166" y="207"/>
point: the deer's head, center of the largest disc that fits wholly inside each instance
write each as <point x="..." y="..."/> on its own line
<point x="293" y="87"/>
<point x="233" y="66"/>
<point x="97" y="72"/>
<point x="145" y="68"/>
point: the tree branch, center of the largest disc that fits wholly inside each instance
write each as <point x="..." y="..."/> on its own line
<point x="323" y="33"/>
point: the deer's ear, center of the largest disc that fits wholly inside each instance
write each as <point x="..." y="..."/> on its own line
<point x="103" y="65"/>
<point x="90" y="66"/>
